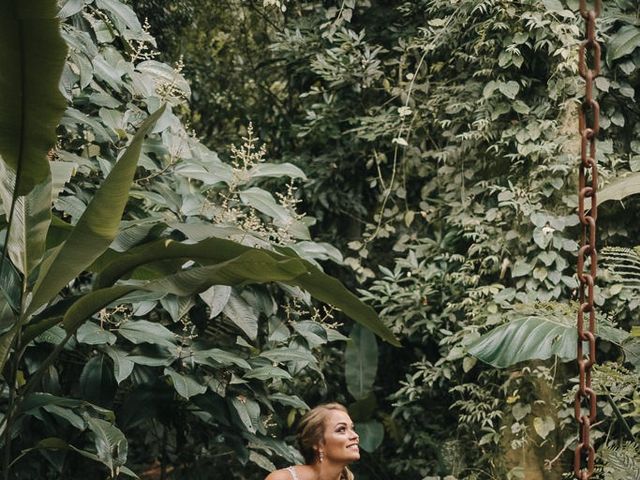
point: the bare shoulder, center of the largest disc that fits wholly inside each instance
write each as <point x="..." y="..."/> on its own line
<point x="282" y="474"/>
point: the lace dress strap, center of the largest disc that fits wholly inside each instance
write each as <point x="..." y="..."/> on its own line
<point x="292" y="471"/>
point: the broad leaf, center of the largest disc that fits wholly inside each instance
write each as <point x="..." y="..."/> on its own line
<point x="313" y="332"/>
<point x="32" y="55"/>
<point x="329" y="290"/>
<point x="143" y="331"/>
<point x="185" y="385"/>
<point x="70" y="7"/>
<point x="122" y="15"/>
<point x="361" y="362"/>
<point x="110" y="442"/>
<point x="289" y="400"/>
<point x="534" y="337"/>
<point x="11" y="286"/>
<point x="320" y="285"/>
<point x="96" y="381"/>
<point x="243" y="315"/>
<point x="277" y="170"/>
<point x="213" y="250"/>
<point x="92" y="334"/>
<point x="287" y="354"/>
<point x="29" y="222"/>
<point x="264" y="202"/>
<point x="619" y="189"/>
<point x="66" y="414"/>
<point x="248" y="412"/>
<point x="90" y="304"/>
<point x="221" y="357"/>
<point x="122" y="367"/>
<point x="623" y="42"/>
<point x="7" y="317"/>
<point x="371" y="434"/>
<point x="267" y="373"/>
<point x="253" y="266"/>
<point x="97" y="227"/>
<point x="37" y="400"/>
<point x="216" y="298"/>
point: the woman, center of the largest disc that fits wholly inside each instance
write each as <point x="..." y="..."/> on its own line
<point x="328" y="443"/>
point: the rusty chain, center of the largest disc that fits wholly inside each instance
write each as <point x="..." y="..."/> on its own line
<point x="589" y="126"/>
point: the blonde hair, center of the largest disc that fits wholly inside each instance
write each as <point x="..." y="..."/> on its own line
<point x="311" y="434"/>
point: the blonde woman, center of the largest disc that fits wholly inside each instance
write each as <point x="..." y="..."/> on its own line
<point x="328" y="443"/>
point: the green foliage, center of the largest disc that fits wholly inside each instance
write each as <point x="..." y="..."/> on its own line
<point x="33" y="54"/>
<point x="116" y="307"/>
<point x="537" y="332"/>
<point x="438" y="143"/>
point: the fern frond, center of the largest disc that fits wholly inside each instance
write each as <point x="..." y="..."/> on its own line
<point x="623" y="264"/>
<point x="621" y="460"/>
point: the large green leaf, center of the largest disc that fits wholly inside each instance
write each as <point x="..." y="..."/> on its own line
<point x="331" y="291"/>
<point x="111" y="444"/>
<point x="361" y="362"/>
<point x="253" y="266"/>
<point x="97" y="382"/>
<point x="122" y="366"/>
<point x="32" y="55"/>
<point x="243" y="315"/>
<point x="186" y="385"/>
<point x="248" y="412"/>
<point x="320" y="285"/>
<point x="221" y="357"/>
<point x="371" y="434"/>
<point x="535" y="337"/>
<point x="623" y="42"/>
<point x="97" y="227"/>
<point x="10" y="286"/>
<point x="619" y="189"/>
<point x="213" y="250"/>
<point x="30" y="220"/>
<point x="267" y="373"/>
<point x="143" y="331"/>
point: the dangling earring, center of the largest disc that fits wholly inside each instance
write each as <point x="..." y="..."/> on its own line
<point x="321" y="456"/>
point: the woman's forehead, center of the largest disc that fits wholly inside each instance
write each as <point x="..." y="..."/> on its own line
<point x="334" y="417"/>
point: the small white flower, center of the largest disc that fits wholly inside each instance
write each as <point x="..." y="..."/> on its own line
<point x="400" y="141"/>
<point x="404" y="111"/>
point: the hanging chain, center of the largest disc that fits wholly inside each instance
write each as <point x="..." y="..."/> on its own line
<point x="589" y="126"/>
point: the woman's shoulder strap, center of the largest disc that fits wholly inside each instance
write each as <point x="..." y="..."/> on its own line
<point x="292" y="471"/>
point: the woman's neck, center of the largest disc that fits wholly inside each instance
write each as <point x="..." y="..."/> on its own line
<point x="328" y="470"/>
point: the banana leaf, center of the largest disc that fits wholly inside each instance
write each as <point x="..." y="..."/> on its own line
<point x="535" y="337"/>
<point x="32" y="55"/>
<point x="320" y="285"/>
<point x="97" y="227"/>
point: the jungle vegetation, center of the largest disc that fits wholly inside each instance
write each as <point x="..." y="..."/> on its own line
<point x="217" y="213"/>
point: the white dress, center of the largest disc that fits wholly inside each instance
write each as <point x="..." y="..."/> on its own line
<point x="292" y="471"/>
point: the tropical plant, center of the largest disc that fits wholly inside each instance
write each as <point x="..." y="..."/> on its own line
<point x="57" y="275"/>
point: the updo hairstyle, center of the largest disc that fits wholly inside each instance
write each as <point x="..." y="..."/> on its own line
<point x="311" y="434"/>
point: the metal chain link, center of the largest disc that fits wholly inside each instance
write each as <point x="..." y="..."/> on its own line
<point x="589" y="126"/>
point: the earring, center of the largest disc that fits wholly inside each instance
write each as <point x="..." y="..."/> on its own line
<point x="321" y="456"/>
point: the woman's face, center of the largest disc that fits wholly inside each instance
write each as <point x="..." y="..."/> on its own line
<point x="340" y="439"/>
